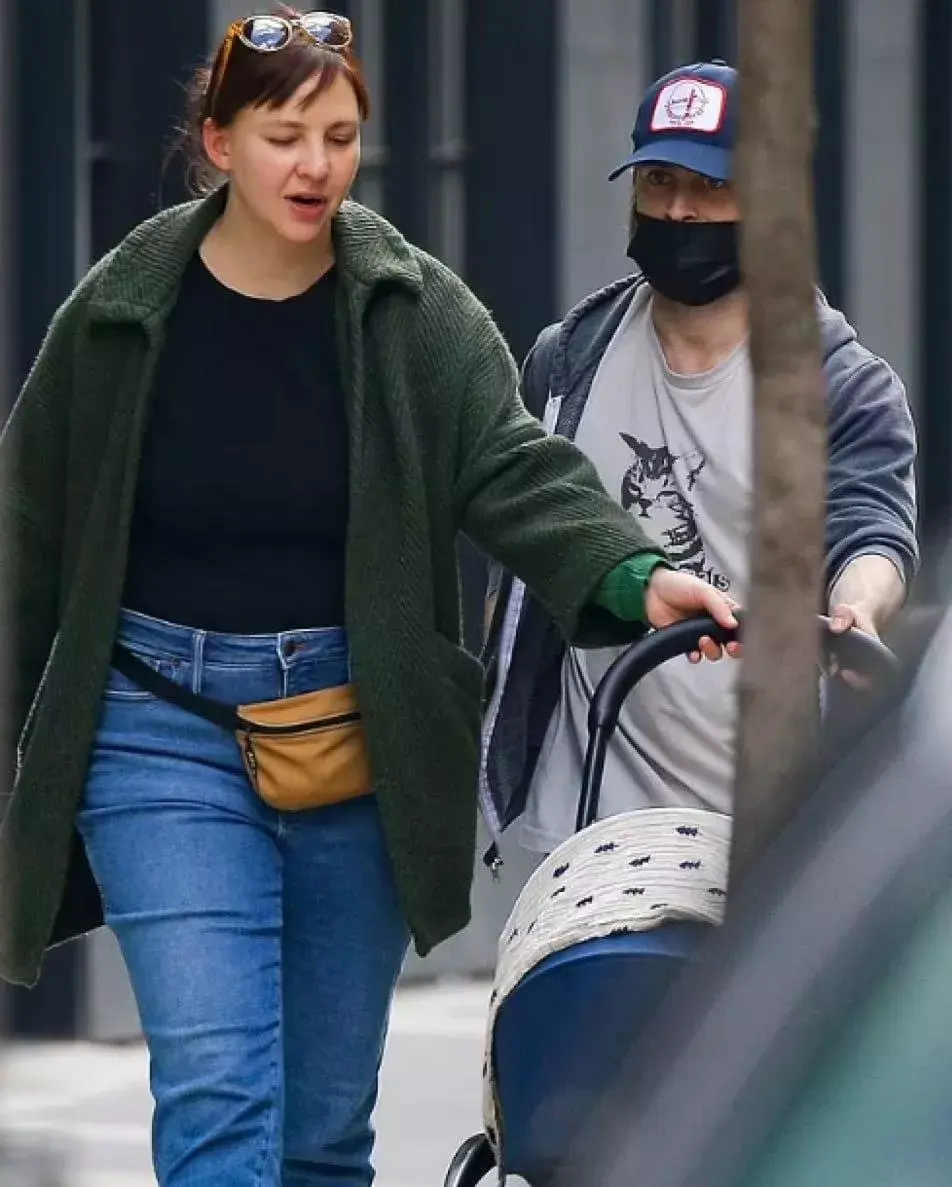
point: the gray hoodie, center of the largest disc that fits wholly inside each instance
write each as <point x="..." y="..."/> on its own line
<point x="871" y="508"/>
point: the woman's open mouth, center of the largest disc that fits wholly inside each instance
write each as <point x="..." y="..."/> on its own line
<point x="308" y="207"/>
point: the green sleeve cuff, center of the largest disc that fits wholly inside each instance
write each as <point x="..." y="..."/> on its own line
<point x="622" y="592"/>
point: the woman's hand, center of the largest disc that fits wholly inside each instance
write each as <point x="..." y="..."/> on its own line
<point x="671" y="596"/>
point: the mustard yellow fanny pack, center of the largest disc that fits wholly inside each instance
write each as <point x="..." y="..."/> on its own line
<point x="306" y="751"/>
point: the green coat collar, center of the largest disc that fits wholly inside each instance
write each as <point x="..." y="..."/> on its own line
<point x="138" y="281"/>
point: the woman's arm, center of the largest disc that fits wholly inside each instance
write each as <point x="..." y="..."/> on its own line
<point x="535" y="504"/>
<point x="33" y="456"/>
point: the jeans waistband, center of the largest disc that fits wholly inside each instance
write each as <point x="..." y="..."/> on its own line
<point x="151" y="636"/>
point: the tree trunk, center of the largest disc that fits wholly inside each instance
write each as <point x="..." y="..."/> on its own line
<point x="778" y="711"/>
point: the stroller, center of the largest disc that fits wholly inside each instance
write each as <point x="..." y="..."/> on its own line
<point x="591" y="937"/>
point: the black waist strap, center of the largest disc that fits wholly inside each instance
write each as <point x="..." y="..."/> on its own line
<point x="150" y="680"/>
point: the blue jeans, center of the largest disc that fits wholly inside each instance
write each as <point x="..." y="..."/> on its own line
<point x="263" y="948"/>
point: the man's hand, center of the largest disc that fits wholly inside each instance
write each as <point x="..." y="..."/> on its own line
<point x="672" y="596"/>
<point x="843" y="618"/>
<point x="867" y="595"/>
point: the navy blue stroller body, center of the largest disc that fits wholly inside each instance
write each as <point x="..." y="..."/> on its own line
<point x="597" y="937"/>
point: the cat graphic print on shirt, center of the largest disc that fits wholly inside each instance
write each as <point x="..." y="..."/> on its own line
<point x="674" y="451"/>
<point x="651" y="490"/>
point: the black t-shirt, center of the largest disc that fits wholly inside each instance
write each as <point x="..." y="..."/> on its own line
<point x="241" y="510"/>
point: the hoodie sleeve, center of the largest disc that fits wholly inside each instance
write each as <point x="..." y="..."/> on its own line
<point x="871" y="504"/>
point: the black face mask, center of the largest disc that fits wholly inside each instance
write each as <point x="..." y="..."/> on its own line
<point x="691" y="263"/>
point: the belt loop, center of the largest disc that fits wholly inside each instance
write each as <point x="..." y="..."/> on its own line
<point x="198" y="661"/>
<point x="281" y="648"/>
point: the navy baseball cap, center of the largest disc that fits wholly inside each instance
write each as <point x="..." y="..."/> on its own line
<point x="688" y="118"/>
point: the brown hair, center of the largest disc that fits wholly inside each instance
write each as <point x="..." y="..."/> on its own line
<point x="633" y="205"/>
<point x="253" y="79"/>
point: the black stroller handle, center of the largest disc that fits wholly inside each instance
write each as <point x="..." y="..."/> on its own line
<point x="853" y="650"/>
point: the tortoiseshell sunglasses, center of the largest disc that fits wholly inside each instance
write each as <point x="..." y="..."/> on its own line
<point x="268" y="34"/>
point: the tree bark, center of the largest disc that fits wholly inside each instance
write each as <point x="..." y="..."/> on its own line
<point x="778" y="712"/>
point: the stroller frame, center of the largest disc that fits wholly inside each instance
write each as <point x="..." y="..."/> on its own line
<point x="476" y="1157"/>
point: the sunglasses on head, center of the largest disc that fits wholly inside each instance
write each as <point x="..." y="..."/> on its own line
<point x="268" y="34"/>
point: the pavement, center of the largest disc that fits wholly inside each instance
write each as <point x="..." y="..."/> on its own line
<point x="86" y="1109"/>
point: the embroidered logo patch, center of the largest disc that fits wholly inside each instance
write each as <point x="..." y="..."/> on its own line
<point x="690" y="104"/>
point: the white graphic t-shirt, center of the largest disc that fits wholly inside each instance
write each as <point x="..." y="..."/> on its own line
<point x="675" y="451"/>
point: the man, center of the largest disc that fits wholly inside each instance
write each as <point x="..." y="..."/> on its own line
<point x="651" y="378"/>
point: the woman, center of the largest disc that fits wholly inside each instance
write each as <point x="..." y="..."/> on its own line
<point x="236" y="475"/>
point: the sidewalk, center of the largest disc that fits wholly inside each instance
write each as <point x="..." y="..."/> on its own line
<point x="91" y="1105"/>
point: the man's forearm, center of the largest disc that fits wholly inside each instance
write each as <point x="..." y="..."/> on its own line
<point x="872" y="584"/>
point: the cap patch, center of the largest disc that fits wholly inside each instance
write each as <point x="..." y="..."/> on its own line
<point x="690" y="104"/>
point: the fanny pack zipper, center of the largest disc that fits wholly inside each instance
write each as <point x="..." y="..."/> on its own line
<point x="322" y="723"/>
